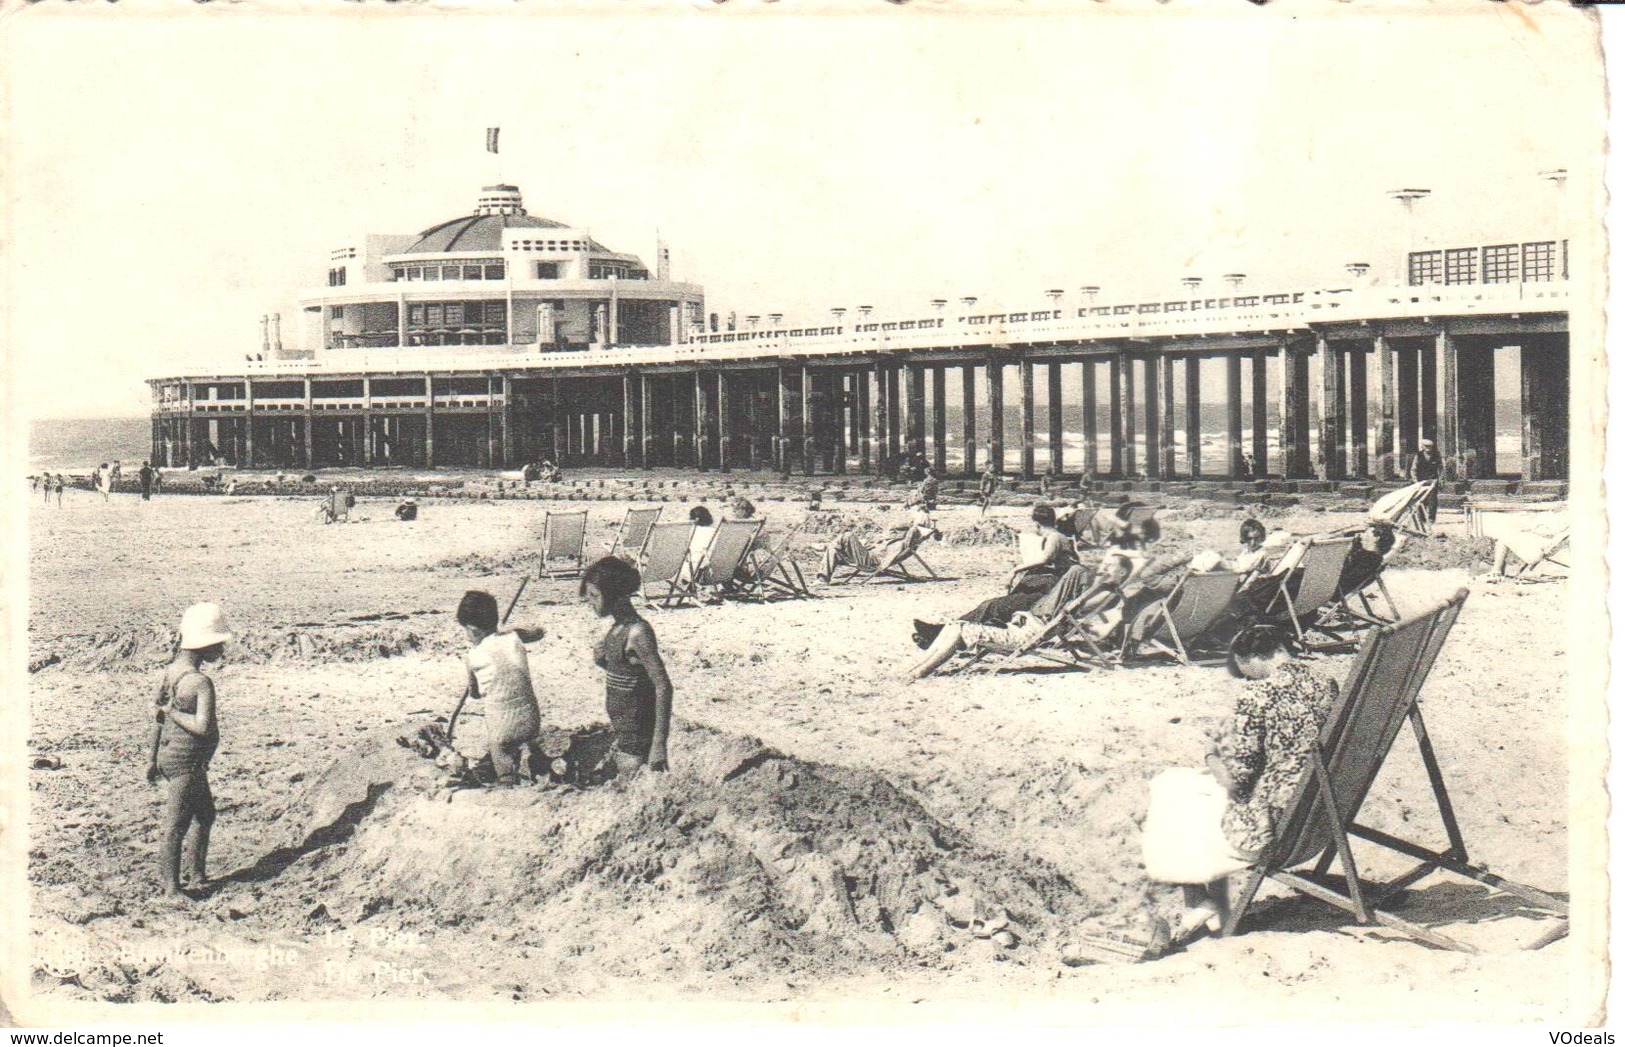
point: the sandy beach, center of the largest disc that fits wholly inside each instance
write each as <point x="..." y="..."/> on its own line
<point x="827" y="834"/>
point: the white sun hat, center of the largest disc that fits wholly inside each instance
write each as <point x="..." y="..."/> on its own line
<point x="203" y="625"/>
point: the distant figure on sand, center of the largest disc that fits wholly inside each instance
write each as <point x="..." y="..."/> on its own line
<point x="118" y="469"/>
<point x="146" y="482"/>
<point x="104" y="482"/>
<point x="1426" y="466"/>
<point x="989" y="484"/>
<point x="57" y="483"/>
<point x="637" y="689"/>
<point x="45" y="482"/>
<point x="185" y="735"/>
<point x="499" y="675"/>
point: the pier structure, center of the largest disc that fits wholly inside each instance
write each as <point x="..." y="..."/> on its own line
<point x="588" y="359"/>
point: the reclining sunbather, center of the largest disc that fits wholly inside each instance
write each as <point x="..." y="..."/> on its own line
<point x="848" y="550"/>
<point x="1026" y="626"/>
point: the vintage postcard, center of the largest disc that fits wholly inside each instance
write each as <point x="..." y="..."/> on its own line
<point x="1063" y="513"/>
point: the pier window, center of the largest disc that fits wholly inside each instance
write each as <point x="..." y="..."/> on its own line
<point x="547" y="270"/>
<point x="1461" y="265"/>
<point x="336" y="277"/>
<point x="1426" y="267"/>
<point x="1501" y="264"/>
<point x="1538" y="261"/>
<point x="1246" y="300"/>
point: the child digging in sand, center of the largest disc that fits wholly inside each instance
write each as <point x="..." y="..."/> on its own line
<point x="637" y="691"/>
<point x="499" y="675"/>
<point x="185" y="735"/>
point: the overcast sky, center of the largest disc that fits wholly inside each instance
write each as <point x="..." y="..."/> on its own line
<point x="174" y="177"/>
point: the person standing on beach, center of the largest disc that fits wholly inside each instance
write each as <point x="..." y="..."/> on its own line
<point x="45" y="482"/>
<point x="104" y="482"/>
<point x="118" y="470"/>
<point x="185" y="735"/>
<point x="56" y="485"/>
<point x="637" y="689"/>
<point x="1425" y="465"/>
<point x="146" y="482"/>
<point x="989" y="484"/>
<point x="499" y="675"/>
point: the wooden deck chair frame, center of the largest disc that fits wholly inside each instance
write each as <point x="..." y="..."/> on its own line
<point x="730" y="543"/>
<point x="564" y="537"/>
<point x="1366" y="613"/>
<point x="1412" y="518"/>
<point x="634" y="531"/>
<point x="1187" y="613"/>
<point x="336" y="506"/>
<point x="1321" y="565"/>
<point x="894" y="565"/>
<point x="773" y="572"/>
<point x="666" y="578"/>
<point x="1377" y="699"/>
<point x="1066" y="639"/>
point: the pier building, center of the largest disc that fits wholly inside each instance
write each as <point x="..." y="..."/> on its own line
<point x="499" y="338"/>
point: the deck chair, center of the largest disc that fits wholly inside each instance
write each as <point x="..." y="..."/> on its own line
<point x="1083" y="527"/>
<point x="1318" y="568"/>
<point x="730" y="543"/>
<point x="564" y="544"/>
<point x="633" y="532"/>
<point x="1405" y="508"/>
<point x="1176" y="624"/>
<point x="667" y="578"/>
<point x="1078" y="636"/>
<point x="336" y="506"/>
<point x="894" y="564"/>
<point x="1535" y="537"/>
<point x="1377" y="699"/>
<point x="770" y="571"/>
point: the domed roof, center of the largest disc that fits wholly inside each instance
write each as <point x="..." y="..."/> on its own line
<point x="500" y="208"/>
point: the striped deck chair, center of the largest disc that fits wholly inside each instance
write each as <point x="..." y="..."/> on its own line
<point x="730" y="543"/>
<point x="1316" y="576"/>
<point x="564" y="544"/>
<point x="1377" y="699"/>
<point x="895" y="563"/>
<point x="771" y="571"/>
<point x="1405" y="508"/>
<point x="666" y="575"/>
<point x="1173" y="626"/>
<point x="633" y="532"/>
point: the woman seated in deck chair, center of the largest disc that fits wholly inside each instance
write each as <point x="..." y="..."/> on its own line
<point x="1203" y="825"/>
<point x="914" y="524"/>
<point x="1100" y="609"/>
<point x="1366" y="557"/>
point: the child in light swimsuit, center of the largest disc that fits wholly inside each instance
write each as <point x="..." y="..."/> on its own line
<point x="499" y="675"/>
<point x="637" y="690"/>
<point x="185" y="735"/>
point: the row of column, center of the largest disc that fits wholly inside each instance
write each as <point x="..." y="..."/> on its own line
<point x="875" y="416"/>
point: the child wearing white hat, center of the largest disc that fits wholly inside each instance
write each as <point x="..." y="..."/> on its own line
<point x="185" y="735"/>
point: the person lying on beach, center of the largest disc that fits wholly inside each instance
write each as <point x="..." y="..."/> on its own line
<point x="637" y="688"/>
<point x="185" y="735"/>
<point x="914" y="524"/>
<point x="499" y="675"/>
<point x="1203" y="825"/>
<point x="1098" y="609"/>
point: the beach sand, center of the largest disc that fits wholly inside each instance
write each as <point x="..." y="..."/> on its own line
<point x="828" y="834"/>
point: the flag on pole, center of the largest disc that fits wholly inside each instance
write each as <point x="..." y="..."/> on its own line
<point x="491" y="139"/>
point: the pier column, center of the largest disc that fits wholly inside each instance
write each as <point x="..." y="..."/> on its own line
<point x="1091" y="432"/>
<point x="1130" y="423"/>
<point x="645" y="408"/>
<point x="839" y="424"/>
<point x="894" y="412"/>
<point x="1193" y="415"/>
<point x="1429" y="358"/>
<point x="1359" y="412"/>
<point x="1153" y="416"/>
<point x="507" y="424"/>
<point x="1333" y="418"/>
<point x="493" y="439"/>
<point x="1232" y="414"/>
<point x="366" y="418"/>
<point x="1388" y="410"/>
<point x="428" y="419"/>
<point x="1114" y="375"/>
<point x="1028" y="458"/>
<point x="809" y="443"/>
<point x="1408" y="364"/>
<point x="310" y="427"/>
<point x="248" y="420"/>
<point x="1544" y="379"/>
<point x="882" y="422"/>
<point x="1475" y="406"/>
<point x="701" y="436"/>
<point x="864" y="420"/>
<point x="995" y="423"/>
<point x="1295" y="463"/>
<point x="1057" y="432"/>
<point x="967" y="415"/>
<point x="1261" y="413"/>
<point x="629" y="432"/>
<point x="1167" y="447"/>
<point x="915" y="410"/>
<point x="781" y="441"/>
<point x="854" y="415"/>
<point x="939" y="419"/>
<point x="827" y="418"/>
<point x="1447" y="430"/>
<point x="724" y="425"/>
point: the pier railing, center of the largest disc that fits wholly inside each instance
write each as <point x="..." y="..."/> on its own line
<point x="1236" y="314"/>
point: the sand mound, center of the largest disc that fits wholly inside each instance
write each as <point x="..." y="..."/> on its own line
<point x="142" y="650"/>
<point x="1443" y="552"/>
<point x="741" y="859"/>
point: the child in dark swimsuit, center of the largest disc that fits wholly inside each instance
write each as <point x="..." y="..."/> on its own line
<point x="185" y="735"/>
<point x="637" y="691"/>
